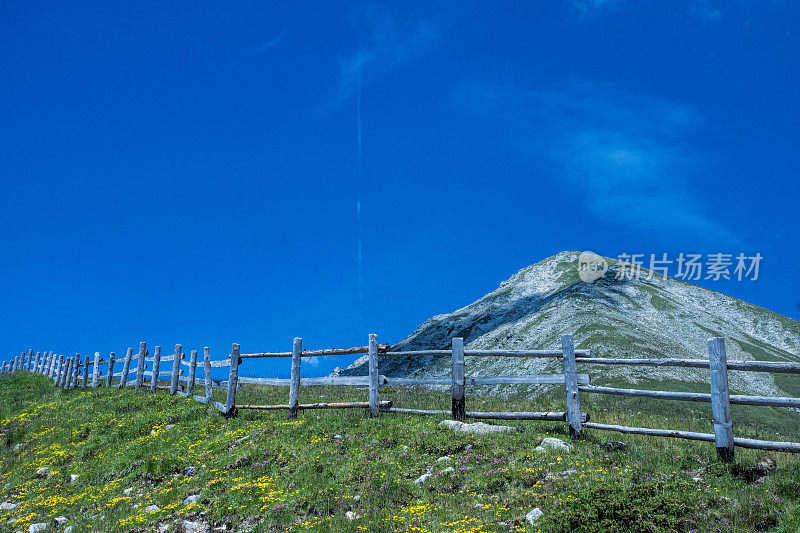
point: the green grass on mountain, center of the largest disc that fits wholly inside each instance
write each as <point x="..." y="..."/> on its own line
<point x="262" y="472"/>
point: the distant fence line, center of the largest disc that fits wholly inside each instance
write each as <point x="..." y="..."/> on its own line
<point x="70" y="372"/>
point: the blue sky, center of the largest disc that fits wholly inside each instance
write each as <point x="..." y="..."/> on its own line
<point x="189" y="172"/>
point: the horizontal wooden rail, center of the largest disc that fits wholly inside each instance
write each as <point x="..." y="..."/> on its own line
<point x="361" y="381"/>
<point x="740" y="399"/>
<point x="149" y="374"/>
<point x="557" y="416"/>
<point x="555" y="354"/>
<point x="533" y="379"/>
<point x="749" y="366"/>
<point x="521" y="353"/>
<point x="793" y="447"/>
<point x="336" y="405"/>
<point x="708" y="437"/>
<point x="317" y="353"/>
<point x="203" y="399"/>
<point x="523" y="415"/>
<point x="420" y="353"/>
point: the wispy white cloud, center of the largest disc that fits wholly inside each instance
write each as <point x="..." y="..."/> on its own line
<point x="384" y="42"/>
<point x="589" y="7"/>
<point x="706" y="10"/>
<point x="629" y="159"/>
<point x="267" y="44"/>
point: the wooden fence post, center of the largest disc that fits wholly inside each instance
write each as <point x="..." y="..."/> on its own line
<point x="156" y="368"/>
<point x="571" y="385"/>
<point x="70" y="368"/>
<point x="36" y="362"/>
<point x="192" y="368"/>
<point x="374" y="405"/>
<point x="294" y="384"/>
<point x="96" y="369"/>
<point x="720" y="398"/>
<point x="51" y="365"/>
<point x="77" y="368"/>
<point x="59" y="370"/>
<point x="65" y="372"/>
<point x="176" y="367"/>
<point x="29" y="367"/>
<point x="233" y="381"/>
<point x="110" y="375"/>
<point x="85" y="380"/>
<point x="126" y="367"/>
<point x="140" y="366"/>
<point x="458" y="386"/>
<point x="207" y="372"/>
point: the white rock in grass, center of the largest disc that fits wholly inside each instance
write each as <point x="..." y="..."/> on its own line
<point x="60" y="519"/>
<point x="68" y="529"/>
<point x="127" y="491"/>
<point x="351" y="515"/>
<point x="478" y="428"/>
<point x="422" y="479"/>
<point x="444" y="458"/>
<point x="42" y="472"/>
<point x="552" y="443"/>
<point x="539" y="449"/>
<point x="152" y="508"/>
<point x="36" y="528"/>
<point x="7" y="506"/>
<point x="194" y="527"/>
<point x="169" y="426"/>
<point x="17" y="447"/>
<point x="448" y="469"/>
<point x="534" y="515"/>
<point x="73" y="478"/>
<point x="191" y="499"/>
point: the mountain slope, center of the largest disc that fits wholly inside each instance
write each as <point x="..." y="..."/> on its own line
<point x="613" y="317"/>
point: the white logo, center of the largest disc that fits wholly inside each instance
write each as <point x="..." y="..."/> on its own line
<point x="591" y="266"/>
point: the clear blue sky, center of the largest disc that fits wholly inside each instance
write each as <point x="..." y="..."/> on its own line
<point x="189" y="171"/>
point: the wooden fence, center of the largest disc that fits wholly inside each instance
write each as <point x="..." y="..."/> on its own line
<point x="72" y="372"/>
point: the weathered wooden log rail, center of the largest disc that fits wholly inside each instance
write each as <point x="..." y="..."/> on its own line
<point x="71" y="372"/>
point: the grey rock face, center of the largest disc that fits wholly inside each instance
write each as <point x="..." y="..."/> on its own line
<point x="552" y="443"/>
<point x="478" y="428"/>
<point x="534" y="515"/>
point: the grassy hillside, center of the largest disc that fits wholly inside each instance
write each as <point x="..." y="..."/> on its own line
<point x="262" y="472"/>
